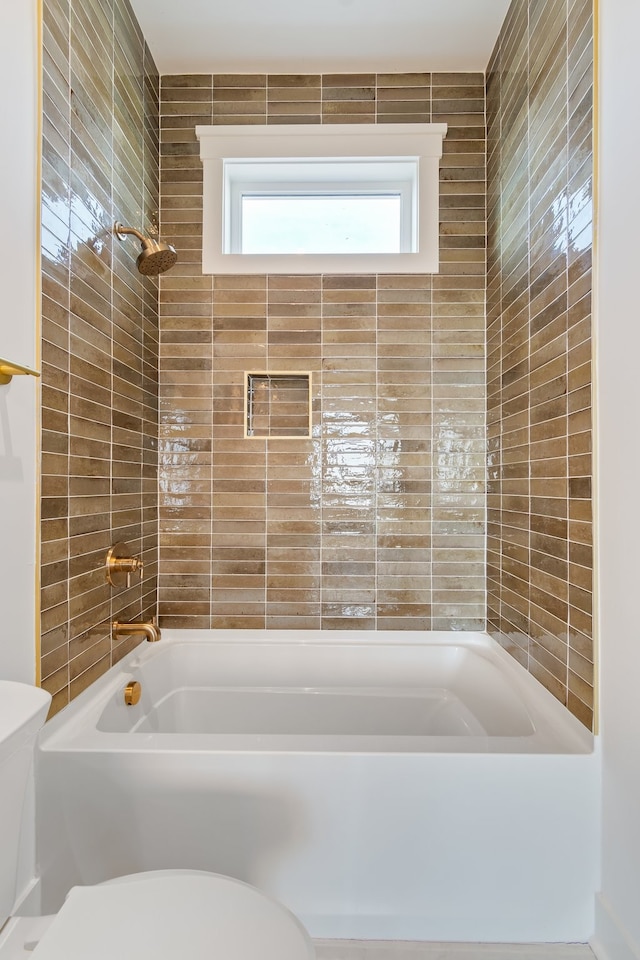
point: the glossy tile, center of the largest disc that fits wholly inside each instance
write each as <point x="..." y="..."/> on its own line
<point x="100" y="334"/>
<point x="539" y="390"/>
<point x="335" y="531"/>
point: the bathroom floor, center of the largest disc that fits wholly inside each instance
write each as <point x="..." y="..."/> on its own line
<point x="405" y="950"/>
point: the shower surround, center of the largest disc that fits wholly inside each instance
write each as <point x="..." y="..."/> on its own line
<point x="377" y="521"/>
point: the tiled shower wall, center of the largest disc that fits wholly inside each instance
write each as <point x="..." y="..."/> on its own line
<point x="99" y="334"/>
<point x="377" y="521"/>
<point x="539" y="108"/>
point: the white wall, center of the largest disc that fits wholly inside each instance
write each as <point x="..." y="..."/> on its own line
<point x="19" y="284"/>
<point x="618" y="346"/>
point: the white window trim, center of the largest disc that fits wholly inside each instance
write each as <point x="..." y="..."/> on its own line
<point x="305" y="142"/>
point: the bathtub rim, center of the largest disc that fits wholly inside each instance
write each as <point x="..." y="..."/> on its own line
<point x="557" y="730"/>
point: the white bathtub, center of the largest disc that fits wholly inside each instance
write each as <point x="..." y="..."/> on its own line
<point x="416" y="786"/>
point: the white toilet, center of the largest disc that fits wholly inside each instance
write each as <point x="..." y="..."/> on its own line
<point x="160" y="915"/>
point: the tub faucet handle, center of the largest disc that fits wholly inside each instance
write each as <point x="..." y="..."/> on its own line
<point x="120" y="564"/>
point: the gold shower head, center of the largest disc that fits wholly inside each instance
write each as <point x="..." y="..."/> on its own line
<point x="156" y="256"/>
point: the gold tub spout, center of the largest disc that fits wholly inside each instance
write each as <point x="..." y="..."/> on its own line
<point x="150" y="629"/>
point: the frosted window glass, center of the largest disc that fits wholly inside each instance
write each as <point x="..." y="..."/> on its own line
<point x="321" y="224"/>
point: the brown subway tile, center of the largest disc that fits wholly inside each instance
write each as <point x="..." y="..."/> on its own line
<point x="544" y="397"/>
<point x="105" y="328"/>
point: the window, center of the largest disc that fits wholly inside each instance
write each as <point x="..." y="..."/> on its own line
<point x="320" y="206"/>
<point x="311" y="199"/>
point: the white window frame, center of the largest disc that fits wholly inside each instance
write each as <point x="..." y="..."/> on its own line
<point x="295" y="155"/>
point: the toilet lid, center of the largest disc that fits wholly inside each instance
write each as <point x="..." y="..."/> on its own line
<point x="171" y="915"/>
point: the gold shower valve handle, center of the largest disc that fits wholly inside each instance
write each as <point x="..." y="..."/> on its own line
<point x="126" y="566"/>
<point x="120" y="564"/>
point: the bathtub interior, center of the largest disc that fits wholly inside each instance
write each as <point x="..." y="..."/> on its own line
<point x="317" y="689"/>
<point x="390" y="692"/>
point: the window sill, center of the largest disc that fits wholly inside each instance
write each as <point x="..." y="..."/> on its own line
<point x="315" y="263"/>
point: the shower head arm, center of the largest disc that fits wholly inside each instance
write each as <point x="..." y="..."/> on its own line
<point x="121" y="231"/>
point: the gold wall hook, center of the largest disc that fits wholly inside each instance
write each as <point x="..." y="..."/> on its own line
<point x="120" y="564"/>
<point x="8" y="369"/>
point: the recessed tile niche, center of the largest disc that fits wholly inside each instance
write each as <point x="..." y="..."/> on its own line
<point x="277" y="405"/>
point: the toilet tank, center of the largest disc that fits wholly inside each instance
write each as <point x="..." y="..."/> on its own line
<point x="23" y="710"/>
